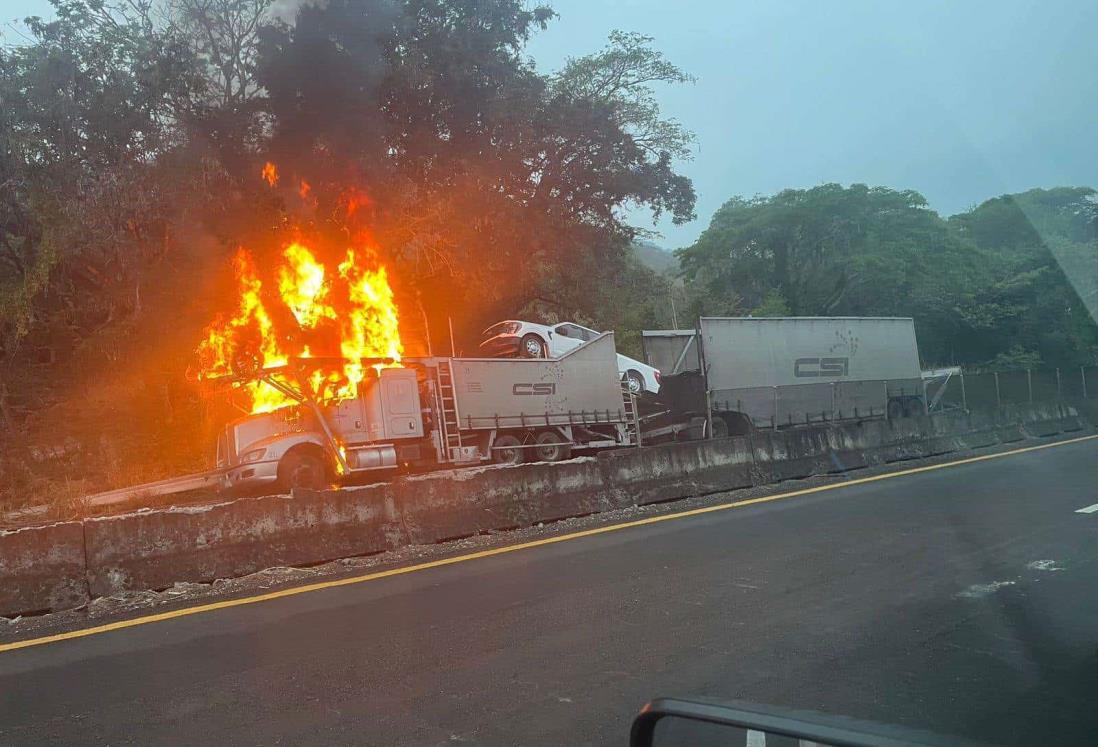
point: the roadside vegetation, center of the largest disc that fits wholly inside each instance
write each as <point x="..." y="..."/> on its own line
<point x="1011" y="283"/>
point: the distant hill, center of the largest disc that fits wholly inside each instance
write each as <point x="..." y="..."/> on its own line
<point x="655" y="257"/>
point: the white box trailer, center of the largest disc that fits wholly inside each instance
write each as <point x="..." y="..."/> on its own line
<point x="581" y="386"/>
<point x="784" y="371"/>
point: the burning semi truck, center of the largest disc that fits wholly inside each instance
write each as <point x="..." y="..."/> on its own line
<point x="429" y="413"/>
<point x="312" y="353"/>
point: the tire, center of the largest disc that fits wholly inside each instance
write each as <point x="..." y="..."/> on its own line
<point x="555" y="453"/>
<point x="895" y="409"/>
<point x="502" y="453"/>
<point x="738" y="424"/>
<point x="914" y="407"/>
<point x="302" y="469"/>
<point x="720" y="427"/>
<point x="532" y="346"/>
<point x="634" y="382"/>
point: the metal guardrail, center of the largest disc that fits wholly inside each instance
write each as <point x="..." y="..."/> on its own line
<point x="195" y="481"/>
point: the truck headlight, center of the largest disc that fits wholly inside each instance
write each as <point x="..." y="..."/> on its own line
<point x="252" y="456"/>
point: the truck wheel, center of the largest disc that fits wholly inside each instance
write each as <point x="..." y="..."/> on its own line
<point x="895" y="409"/>
<point x="532" y="347"/>
<point x="720" y="427"/>
<point x="556" y="450"/>
<point x="302" y="469"/>
<point x="504" y="451"/>
<point x="634" y="382"/>
<point x="738" y="424"/>
<point x="913" y="407"/>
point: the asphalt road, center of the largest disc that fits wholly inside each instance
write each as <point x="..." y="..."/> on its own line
<point x="961" y="600"/>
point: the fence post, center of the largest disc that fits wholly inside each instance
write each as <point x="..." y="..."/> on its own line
<point x="832" y="401"/>
<point x="1083" y="371"/>
<point x="775" y="418"/>
<point x="1029" y="384"/>
<point x="708" y="413"/>
<point x="998" y="399"/>
<point x="1059" y="393"/>
<point x="964" y="396"/>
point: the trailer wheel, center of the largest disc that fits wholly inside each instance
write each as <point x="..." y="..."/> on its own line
<point x="504" y="450"/>
<point x="304" y="469"/>
<point x="550" y="447"/>
<point x="738" y="423"/>
<point x="913" y="407"/>
<point x="895" y="409"/>
<point x="532" y="346"/>
<point x="634" y="382"/>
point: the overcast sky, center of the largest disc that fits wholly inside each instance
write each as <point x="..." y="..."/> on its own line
<point x="960" y="100"/>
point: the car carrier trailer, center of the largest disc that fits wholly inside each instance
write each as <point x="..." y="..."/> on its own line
<point x="738" y="373"/>
<point x="431" y="413"/>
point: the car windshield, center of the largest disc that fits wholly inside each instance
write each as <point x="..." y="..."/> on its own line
<point x="502" y="328"/>
<point x="299" y="446"/>
<point x="576" y="332"/>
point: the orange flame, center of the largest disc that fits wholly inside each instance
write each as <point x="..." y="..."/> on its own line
<point x="347" y="313"/>
<point x="270" y="173"/>
<point x="353" y="199"/>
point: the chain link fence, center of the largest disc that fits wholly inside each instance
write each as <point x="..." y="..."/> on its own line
<point x="992" y="389"/>
<point x="805" y="404"/>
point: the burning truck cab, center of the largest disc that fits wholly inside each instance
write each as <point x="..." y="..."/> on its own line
<point x="378" y="429"/>
<point x="429" y="413"/>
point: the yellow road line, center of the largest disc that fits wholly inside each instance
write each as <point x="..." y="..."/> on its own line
<point x="161" y="616"/>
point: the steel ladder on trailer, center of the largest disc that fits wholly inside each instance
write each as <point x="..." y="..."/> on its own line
<point x="449" y="422"/>
<point x="632" y="419"/>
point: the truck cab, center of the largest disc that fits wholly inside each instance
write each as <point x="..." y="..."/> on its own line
<point x="309" y="445"/>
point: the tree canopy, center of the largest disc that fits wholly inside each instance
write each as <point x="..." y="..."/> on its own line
<point x="1006" y="283"/>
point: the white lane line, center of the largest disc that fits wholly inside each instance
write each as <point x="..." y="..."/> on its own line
<point x="1087" y="509"/>
<point x="982" y="590"/>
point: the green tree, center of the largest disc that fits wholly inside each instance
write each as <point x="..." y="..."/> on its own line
<point x="831" y="251"/>
<point x="1040" y="249"/>
<point x="87" y="107"/>
<point x="773" y="305"/>
<point x="1013" y="281"/>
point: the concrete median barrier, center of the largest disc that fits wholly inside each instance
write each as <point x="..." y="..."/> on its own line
<point x="1073" y="420"/>
<point x="679" y="470"/>
<point x="793" y="454"/>
<point x="903" y="440"/>
<point x="1086" y="410"/>
<point x="58" y="566"/>
<point x="42" y="569"/>
<point x="1042" y="428"/>
<point x="154" y="549"/>
<point x="1068" y="422"/>
<point x="980" y="431"/>
<point x="977" y="440"/>
<point x="459" y="503"/>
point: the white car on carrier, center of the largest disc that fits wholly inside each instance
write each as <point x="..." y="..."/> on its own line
<point x="513" y="338"/>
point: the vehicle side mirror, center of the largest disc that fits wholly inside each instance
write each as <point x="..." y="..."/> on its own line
<point x="671" y="722"/>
